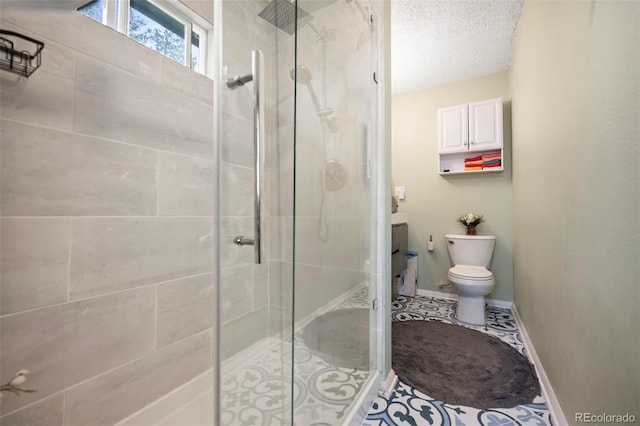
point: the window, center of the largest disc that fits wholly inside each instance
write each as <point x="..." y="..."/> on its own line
<point x="174" y="31"/>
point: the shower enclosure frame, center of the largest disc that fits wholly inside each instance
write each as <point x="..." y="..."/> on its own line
<point x="378" y="237"/>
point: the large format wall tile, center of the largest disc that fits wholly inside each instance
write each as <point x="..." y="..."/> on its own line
<point x="236" y="291"/>
<point x="261" y="284"/>
<point x="106" y="127"/>
<point x="47" y="172"/>
<point x="111" y="254"/>
<point x="281" y="284"/>
<point x="48" y="412"/>
<point x="238" y="147"/>
<point x="185" y="307"/>
<point x="242" y="332"/>
<point x="237" y="197"/>
<point x="198" y="86"/>
<point x="185" y="186"/>
<point x="345" y="245"/>
<point x="68" y="343"/>
<point x="35" y="263"/>
<point x="118" y="105"/>
<point x="44" y="99"/>
<point x="120" y="393"/>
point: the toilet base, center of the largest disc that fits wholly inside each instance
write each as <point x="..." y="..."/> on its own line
<point x="471" y="310"/>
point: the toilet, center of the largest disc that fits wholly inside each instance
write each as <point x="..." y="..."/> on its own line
<point x="471" y="257"/>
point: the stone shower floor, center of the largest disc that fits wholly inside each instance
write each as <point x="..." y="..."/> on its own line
<point x="410" y="407"/>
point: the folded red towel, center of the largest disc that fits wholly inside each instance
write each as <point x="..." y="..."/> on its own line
<point x="473" y="163"/>
<point x="479" y="157"/>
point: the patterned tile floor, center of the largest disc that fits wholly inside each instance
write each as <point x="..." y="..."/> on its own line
<point x="408" y="406"/>
<point x="258" y="392"/>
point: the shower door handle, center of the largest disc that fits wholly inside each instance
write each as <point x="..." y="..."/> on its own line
<point x="257" y="69"/>
<point x="257" y="75"/>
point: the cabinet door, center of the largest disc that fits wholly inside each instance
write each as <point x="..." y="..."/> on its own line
<point x="453" y="129"/>
<point x="485" y="125"/>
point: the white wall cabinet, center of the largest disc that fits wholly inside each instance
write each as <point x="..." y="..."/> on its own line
<point x="470" y="128"/>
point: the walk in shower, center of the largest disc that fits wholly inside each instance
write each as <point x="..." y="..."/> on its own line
<point x="298" y="210"/>
<point x="180" y="248"/>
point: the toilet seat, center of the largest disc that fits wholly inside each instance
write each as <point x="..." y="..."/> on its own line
<point x="471" y="273"/>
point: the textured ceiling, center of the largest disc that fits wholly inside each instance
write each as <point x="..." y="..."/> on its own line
<point x="439" y="41"/>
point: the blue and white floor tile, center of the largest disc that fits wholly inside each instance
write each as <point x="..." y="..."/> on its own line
<point x="409" y="407"/>
<point x="258" y="392"/>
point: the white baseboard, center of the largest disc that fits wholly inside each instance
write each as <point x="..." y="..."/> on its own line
<point x="506" y="304"/>
<point x="547" y="391"/>
<point x="388" y="384"/>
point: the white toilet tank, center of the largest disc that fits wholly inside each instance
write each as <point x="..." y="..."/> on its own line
<point x="475" y="250"/>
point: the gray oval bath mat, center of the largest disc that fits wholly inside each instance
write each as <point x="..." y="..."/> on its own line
<point x="340" y="337"/>
<point x="460" y="366"/>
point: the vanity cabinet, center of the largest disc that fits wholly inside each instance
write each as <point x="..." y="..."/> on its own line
<point x="399" y="247"/>
<point x="469" y="130"/>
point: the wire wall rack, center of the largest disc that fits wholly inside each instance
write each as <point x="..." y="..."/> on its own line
<point x="19" y="54"/>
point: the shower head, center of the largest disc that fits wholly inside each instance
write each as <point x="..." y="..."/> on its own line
<point x="282" y="14"/>
<point x="301" y="74"/>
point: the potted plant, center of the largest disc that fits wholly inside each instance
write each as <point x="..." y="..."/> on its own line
<point x="471" y="220"/>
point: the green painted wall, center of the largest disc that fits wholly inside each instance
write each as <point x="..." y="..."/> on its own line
<point x="576" y="112"/>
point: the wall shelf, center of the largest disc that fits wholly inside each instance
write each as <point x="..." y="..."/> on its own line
<point x="19" y="54"/>
<point x="469" y="172"/>
<point x="454" y="162"/>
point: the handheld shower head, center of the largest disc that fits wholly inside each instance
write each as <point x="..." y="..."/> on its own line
<point x="301" y="73"/>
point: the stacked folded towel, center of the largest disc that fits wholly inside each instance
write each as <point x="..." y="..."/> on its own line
<point x="491" y="160"/>
<point x="473" y="163"/>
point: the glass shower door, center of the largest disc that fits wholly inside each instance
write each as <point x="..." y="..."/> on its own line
<point x="297" y="252"/>
<point x="254" y="112"/>
<point x="335" y="204"/>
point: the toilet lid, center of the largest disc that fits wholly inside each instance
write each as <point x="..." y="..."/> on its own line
<point x="470" y="272"/>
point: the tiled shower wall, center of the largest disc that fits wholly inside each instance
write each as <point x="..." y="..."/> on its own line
<point x="107" y="244"/>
